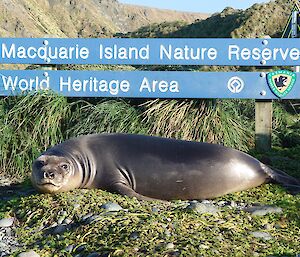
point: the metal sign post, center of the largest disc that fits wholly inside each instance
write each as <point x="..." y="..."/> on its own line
<point x="295" y="31"/>
<point x="264" y="109"/>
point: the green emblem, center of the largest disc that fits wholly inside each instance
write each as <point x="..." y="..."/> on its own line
<point x="281" y="82"/>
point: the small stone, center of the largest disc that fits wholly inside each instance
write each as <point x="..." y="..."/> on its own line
<point x="221" y="203"/>
<point x="268" y="226"/>
<point x="167" y="233"/>
<point x="60" y="229"/>
<point x="80" y="248"/>
<point x="62" y="213"/>
<point x="67" y="221"/>
<point x="155" y="210"/>
<point x="29" y="254"/>
<point x="53" y="225"/>
<point x="111" y="207"/>
<point x="60" y="220"/>
<point x="170" y="246"/>
<point x="262" y="235"/>
<point x="6" y="222"/>
<point x="3" y="246"/>
<point x="85" y="217"/>
<point x="134" y="235"/>
<point x="233" y="204"/>
<point x="174" y="253"/>
<point x="202" y="246"/>
<point x="13" y="248"/>
<point x="263" y="210"/>
<point x="279" y="226"/>
<point x="8" y="231"/>
<point x="69" y="248"/>
<point x="94" y="255"/>
<point x="220" y="238"/>
<point x="76" y="206"/>
<point x="60" y="237"/>
<point x="203" y="208"/>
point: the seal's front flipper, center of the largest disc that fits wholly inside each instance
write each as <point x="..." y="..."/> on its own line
<point x="126" y="190"/>
<point x="290" y="183"/>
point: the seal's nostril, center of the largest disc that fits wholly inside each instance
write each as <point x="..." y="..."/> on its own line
<point x="49" y="174"/>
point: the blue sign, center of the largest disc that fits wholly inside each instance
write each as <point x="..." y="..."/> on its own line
<point x="241" y="52"/>
<point x="142" y="84"/>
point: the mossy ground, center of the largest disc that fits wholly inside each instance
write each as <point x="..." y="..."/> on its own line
<point x="140" y="231"/>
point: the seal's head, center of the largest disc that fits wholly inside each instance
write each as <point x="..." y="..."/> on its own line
<point x="52" y="174"/>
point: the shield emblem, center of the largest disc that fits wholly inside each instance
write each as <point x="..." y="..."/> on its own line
<point x="281" y="82"/>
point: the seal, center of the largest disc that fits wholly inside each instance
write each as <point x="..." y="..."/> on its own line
<point x="150" y="168"/>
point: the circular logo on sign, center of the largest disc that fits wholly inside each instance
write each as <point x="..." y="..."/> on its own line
<point x="235" y="85"/>
<point x="281" y="82"/>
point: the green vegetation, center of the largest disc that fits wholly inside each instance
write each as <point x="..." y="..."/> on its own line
<point x="159" y="30"/>
<point x="29" y="124"/>
<point x="146" y="228"/>
<point x="258" y="21"/>
<point x="32" y="123"/>
<point x="87" y="18"/>
<point x="206" y="121"/>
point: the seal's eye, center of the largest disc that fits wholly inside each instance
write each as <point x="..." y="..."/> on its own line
<point x="64" y="166"/>
<point x="40" y="164"/>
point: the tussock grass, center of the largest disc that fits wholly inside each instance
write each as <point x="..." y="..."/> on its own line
<point x="205" y="121"/>
<point x="108" y="116"/>
<point x="32" y="123"/>
<point x="29" y="125"/>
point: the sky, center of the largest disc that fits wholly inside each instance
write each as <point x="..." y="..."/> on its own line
<point x="202" y="6"/>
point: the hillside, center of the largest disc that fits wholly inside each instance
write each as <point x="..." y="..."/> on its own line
<point x="79" y="18"/>
<point x="257" y="21"/>
<point x="106" y="18"/>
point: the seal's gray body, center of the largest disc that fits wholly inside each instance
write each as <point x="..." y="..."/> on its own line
<point x="160" y="168"/>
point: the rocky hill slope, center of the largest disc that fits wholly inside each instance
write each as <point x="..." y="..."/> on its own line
<point x="79" y="18"/>
<point x="257" y="21"/>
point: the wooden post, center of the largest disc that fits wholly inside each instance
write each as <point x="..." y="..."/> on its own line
<point x="263" y="125"/>
<point x="49" y="67"/>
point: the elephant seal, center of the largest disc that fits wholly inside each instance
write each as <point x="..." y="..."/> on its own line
<point x="149" y="167"/>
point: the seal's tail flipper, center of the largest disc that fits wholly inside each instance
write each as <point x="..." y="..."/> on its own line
<point x="290" y="183"/>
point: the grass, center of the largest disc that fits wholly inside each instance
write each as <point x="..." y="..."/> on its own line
<point x="205" y="121"/>
<point x="139" y="231"/>
<point x="106" y="116"/>
<point x="30" y="124"/>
